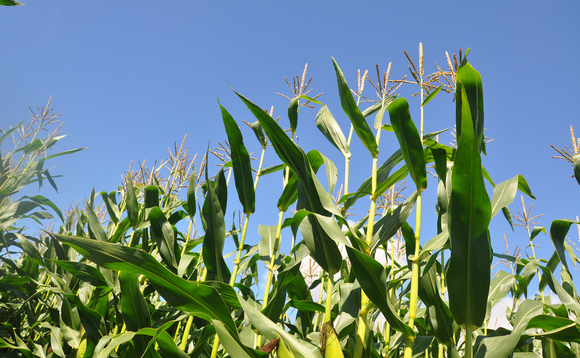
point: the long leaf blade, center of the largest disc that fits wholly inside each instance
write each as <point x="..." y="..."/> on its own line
<point x="194" y="297"/>
<point x="469" y="217"/>
<point x="241" y="163"/>
<point x="409" y="141"/>
<point x="355" y="115"/>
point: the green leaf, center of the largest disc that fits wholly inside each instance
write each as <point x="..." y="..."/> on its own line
<point x="193" y="297"/>
<point x="241" y="163"/>
<point x="293" y="156"/>
<point x="469" y="82"/>
<point x="409" y="140"/>
<point x="41" y="200"/>
<point x="323" y="248"/>
<point x="163" y="339"/>
<point x="308" y="99"/>
<point x="132" y="203"/>
<point x="349" y="106"/>
<point x="536" y="230"/>
<point x="439" y="315"/>
<point x="293" y="115"/>
<point x="103" y="350"/>
<point x="384" y="179"/>
<point x="215" y="236"/>
<point x="233" y="346"/>
<point x="151" y="196"/>
<point x="162" y="233"/>
<point x="269" y="245"/>
<point x="10" y="3"/>
<point x="331" y="130"/>
<point x="112" y="208"/>
<point x="191" y="202"/>
<point x="431" y="96"/>
<point x="372" y="278"/>
<point x="500" y="286"/>
<point x="558" y="231"/>
<point x="469" y="216"/>
<point x="524" y="187"/>
<point x="503" y="346"/>
<point x="388" y="225"/>
<point x="95" y="225"/>
<point x="134" y="308"/>
<point x="558" y="328"/>
<point x="259" y="132"/>
<point x="269" y="329"/>
<point x="84" y="272"/>
<point x="503" y="195"/>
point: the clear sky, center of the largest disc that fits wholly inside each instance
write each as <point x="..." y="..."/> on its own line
<point x="132" y="77"/>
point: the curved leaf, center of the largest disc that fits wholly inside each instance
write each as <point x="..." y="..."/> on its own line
<point x="387" y="226"/>
<point x="558" y="231"/>
<point x="162" y="233"/>
<point x="194" y="297"/>
<point x="241" y="163"/>
<point x="372" y="278"/>
<point x="269" y="330"/>
<point x="331" y="130"/>
<point x="409" y="141"/>
<point x="293" y="115"/>
<point x="349" y="106"/>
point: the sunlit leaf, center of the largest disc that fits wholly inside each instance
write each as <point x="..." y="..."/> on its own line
<point x="241" y="163"/>
<point x="469" y="216"/>
<point x="331" y="130"/>
<point x="193" y="297"/>
<point x="349" y="106"/>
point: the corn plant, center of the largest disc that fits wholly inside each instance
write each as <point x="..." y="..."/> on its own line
<point x="145" y="273"/>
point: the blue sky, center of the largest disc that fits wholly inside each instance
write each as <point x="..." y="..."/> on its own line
<point x="132" y="77"/>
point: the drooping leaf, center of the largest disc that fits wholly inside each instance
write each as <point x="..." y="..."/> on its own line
<point x="241" y="163"/>
<point x="469" y="216"/>
<point x="194" y="297"/>
<point x="439" y="314"/>
<point x="10" y="3"/>
<point x="112" y="208"/>
<point x="388" y="225"/>
<point x="384" y="178"/>
<point x="269" y="245"/>
<point x="409" y="141"/>
<point x="162" y="233"/>
<point x="259" y="132"/>
<point x="503" y="346"/>
<point x="323" y="249"/>
<point x="331" y="130"/>
<point x="269" y="329"/>
<point x="295" y="158"/>
<point x="233" y="346"/>
<point x="558" y="231"/>
<point x="372" y="278"/>
<point x="84" y="272"/>
<point x="349" y="106"/>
